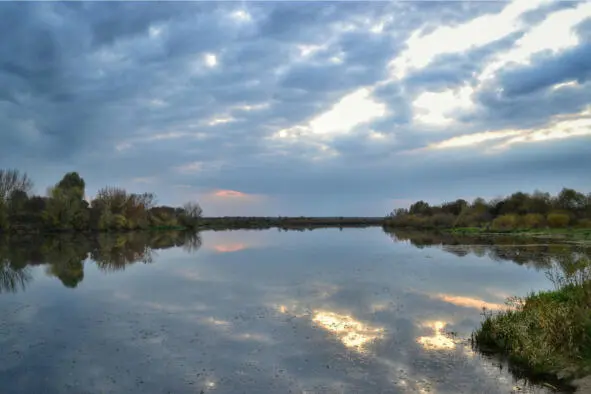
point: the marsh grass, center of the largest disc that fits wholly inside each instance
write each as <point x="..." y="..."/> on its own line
<point x="548" y="332"/>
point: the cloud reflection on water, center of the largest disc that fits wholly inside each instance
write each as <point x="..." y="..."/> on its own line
<point x="333" y="315"/>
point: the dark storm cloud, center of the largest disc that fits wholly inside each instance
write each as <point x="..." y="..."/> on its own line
<point x="122" y="90"/>
<point x="499" y="111"/>
<point x="573" y="64"/>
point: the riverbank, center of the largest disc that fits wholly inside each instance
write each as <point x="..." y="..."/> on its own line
<point x="225" y="223"/>
<point x="285" y="223"/>
<point x="574" y="234"/>
<point x="546" y="334"/>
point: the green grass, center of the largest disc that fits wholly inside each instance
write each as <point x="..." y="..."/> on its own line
<point x="546" y="333"/>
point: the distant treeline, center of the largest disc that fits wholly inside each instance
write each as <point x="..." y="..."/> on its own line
<point x="65" y="208"/>
<point x="518" y="211"/>
<point x="286" y="222"/>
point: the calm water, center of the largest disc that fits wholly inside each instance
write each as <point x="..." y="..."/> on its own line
<point x="324" y="311"/>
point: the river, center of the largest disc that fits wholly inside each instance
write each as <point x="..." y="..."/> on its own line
<point x="323" y="311"/>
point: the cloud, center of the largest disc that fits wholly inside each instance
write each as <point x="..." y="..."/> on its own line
<point x="229" y="194"/>
<point x="359" y="103"/>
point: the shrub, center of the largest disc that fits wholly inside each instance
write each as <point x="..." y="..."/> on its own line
<point x="445" y="220"/>
<point x="533" y="220"/>
<point x="505" y="222"/>
<point x="558" y="220"/>
<point x="119" y="222"/>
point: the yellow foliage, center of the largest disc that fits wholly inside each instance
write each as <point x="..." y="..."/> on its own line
<point x="505" y="222"/>
<point x="558" y="220"/>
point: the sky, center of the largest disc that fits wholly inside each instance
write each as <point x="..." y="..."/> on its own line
<point x="299" y="108"/>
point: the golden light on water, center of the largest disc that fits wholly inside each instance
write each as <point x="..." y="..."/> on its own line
<point x="437" y="341"/>
<point x="469" y="302"/>
<point x="352" y="333"/>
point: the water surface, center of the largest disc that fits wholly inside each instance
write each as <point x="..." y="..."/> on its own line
<point x="324" y="311"/>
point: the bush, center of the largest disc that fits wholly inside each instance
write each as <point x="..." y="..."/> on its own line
<point x="584" y="223"/>
<point x="505" y="222"/>
<point x="119" y="222"/>
<point x="558" y="220"/>
<point x="445" y="220"/>
<point x="534" y="220"/>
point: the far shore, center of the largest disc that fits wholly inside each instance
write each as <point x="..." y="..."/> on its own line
<point x="318" y="222"/>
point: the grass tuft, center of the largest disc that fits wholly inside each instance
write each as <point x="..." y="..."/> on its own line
<point x="546" y="332"/>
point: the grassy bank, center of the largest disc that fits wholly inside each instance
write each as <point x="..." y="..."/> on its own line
<point x="547" y="334"/>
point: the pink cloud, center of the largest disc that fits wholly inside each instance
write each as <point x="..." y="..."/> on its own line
<point x="229" y="193"/>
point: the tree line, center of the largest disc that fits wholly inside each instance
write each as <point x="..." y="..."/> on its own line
<point x="64" y="207"/>
<point x="569" y="208"/>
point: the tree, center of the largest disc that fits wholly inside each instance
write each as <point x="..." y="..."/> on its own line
<point x="16" y="202"/>
<point x="571" y="200"/>
<point x="73" y="184"/>
<point x="455" y="208"/>
<point x="193" y="210"/>
<point x="11" y="181"/>
<point x="420" y="208"/>
<point x="3" y="216"/>
<point x="538" y="203"/>
<point x="64" y="210"/>
<point x="115" y="208"/>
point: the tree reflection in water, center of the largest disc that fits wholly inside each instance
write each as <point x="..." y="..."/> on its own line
<point x="13" y="280"/>
<point x="64" y="255"/>
<point x="540" y="254"/>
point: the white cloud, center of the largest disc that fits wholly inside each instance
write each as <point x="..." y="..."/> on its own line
<point x="155" y="31"/>
<point x="307" y="50"/>
<point x="437" y="108"/>
<point x="553" y="34"/>
<point x="210" y="60"/>
<point x="221" y="120"/>
<point x="241" y="15"/>
<point x="474" y="139"/>
<point x="565" y="85"/>
<point x="352" y="110"/>
<point x="423" y="48"/>
<point x="251" y="107"/>
<point x="560" y="127"/>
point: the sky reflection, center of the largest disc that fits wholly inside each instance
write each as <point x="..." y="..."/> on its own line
<point x="321" y="311"/>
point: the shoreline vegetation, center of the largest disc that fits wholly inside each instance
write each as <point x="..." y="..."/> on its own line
<point x="546" y="334"/>
<point x="65" y="209"/>
<point x="520" y="212"/>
